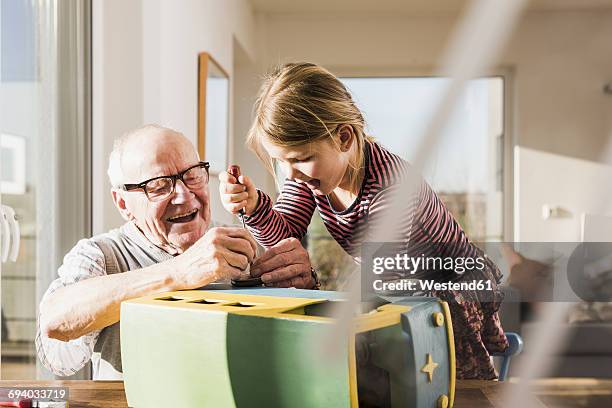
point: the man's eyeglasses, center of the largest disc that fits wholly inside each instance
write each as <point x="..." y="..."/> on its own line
<point x="159" y="188"/>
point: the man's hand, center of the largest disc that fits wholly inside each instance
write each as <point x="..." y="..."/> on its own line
<point x="284" y="265"/>
<point x="222" y="253"/>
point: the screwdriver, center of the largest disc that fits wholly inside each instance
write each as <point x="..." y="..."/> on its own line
<point x="235" y="172"/>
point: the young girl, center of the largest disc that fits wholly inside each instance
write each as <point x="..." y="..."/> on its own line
<point x="306" y="120"/>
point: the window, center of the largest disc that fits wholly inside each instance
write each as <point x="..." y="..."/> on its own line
<point x="45" y="159"/>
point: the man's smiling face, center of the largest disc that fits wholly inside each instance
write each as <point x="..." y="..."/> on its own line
<point x="179" y="220"/>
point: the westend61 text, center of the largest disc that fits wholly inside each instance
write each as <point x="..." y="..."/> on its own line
<point x="429" y="285"/>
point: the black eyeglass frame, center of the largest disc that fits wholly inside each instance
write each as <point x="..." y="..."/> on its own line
<point x="174" y="177"/>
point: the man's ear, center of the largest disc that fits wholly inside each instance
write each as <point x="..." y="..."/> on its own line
<point x="346" y="137"/>
<point x="120" y="203"/>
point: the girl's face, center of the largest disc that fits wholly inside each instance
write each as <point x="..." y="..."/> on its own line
<point x="320" y="165"/>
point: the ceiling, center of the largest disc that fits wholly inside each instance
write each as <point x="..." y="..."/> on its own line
<point x="417" y="7"/>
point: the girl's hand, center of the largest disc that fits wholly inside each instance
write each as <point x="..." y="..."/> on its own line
<point x="237" y="194"/>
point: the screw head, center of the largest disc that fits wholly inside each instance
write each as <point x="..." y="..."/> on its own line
<point x="438" y="319"/>
<point x="442" y="401"/>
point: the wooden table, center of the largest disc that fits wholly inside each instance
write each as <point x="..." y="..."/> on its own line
<point x="469" y="394"/>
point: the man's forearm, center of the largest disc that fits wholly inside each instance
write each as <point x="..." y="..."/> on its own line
<point x="92" y="304"/>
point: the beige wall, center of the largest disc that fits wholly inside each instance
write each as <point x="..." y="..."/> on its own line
<point x="145" y="70"/>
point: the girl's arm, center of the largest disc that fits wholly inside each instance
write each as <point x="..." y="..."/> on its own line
<point x="268" y="223"/>
<point x="289" y="217"/>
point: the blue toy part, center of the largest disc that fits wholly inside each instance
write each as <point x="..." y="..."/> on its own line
<point x="515" y="346"/>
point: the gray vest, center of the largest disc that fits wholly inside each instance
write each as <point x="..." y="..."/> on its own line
<point x="125" y="249"/>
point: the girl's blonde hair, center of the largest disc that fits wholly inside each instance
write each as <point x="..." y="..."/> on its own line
<point x="299" y="103"/>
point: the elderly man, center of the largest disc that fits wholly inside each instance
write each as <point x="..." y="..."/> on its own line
<point x="160" y="188"/>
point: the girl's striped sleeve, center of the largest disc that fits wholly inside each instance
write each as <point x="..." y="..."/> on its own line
<point x="289" y="217"/>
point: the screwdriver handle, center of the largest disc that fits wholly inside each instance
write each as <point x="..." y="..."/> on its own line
<point x="234" y="170"/>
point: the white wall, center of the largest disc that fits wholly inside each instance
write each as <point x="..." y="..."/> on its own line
<point x="145" y="70"/>
<point x="573" y="186"/>
<point x="558" y="61"/>
<point x="562" y="60"/>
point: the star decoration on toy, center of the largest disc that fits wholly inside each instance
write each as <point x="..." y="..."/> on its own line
<point x="429" y="368"/>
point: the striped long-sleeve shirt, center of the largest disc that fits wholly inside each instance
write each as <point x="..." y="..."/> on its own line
<point x="422" y="219"/>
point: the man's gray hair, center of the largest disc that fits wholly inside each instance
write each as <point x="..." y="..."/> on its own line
<point x="115" y="171"/>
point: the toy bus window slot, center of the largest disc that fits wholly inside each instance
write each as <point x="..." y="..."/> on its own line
<point x="206" y="301"/>
<point x="241" y="304"/>
<point x="170" y="299"/>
